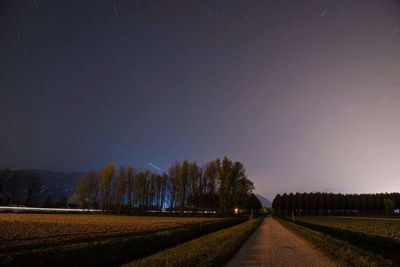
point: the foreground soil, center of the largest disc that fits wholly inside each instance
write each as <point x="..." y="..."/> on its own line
<point x="45" y="229"/>
<point x="273" y="245"/>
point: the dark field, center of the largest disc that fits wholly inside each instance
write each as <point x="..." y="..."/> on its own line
<point x="95" y="240"/>
<point x="359" y="241"/>
<point x="383" y="227"/>
<point x="40" y="229"/>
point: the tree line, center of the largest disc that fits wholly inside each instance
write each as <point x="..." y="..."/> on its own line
<point x="336" y="204"/>
<point x="220" y="186"/>
<point x="18" y="189"/>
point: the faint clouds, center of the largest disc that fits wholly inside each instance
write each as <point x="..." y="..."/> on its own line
<point x="384" y="100"/>
<point x="348" y="110"/>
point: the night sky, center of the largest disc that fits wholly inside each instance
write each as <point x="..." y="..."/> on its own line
<point x="305" y="93"/>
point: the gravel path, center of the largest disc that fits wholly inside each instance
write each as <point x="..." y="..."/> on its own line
<point x="273" y="245"/>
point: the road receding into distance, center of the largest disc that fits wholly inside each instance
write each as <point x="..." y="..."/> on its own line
<point x="273" y="245"/>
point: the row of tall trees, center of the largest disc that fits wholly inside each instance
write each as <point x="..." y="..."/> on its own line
<point x="18" y="189"/>
<point x="335" y="204"/>
<point x="219" y="186"/>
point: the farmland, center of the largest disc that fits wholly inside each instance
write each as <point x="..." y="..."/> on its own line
<point x="82" y="240"/>
<point x="383" y="227"/>
<point x="352" y="240"/>
<point x="341" y="251"/>
<point x="32" y="229"/>
<point x="210" y="250"/>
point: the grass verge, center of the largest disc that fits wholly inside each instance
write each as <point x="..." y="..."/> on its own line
<point x="112" y="251"/>
<point x="363" y="238"/>
<point x="211" y="250"/>
<point x="338" y="250"/>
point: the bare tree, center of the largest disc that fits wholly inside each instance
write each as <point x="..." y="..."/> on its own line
<point x="10" y="183"/>
<point x="211" y="176"/>
<point x="173" y="183"/>
<point x="183" y="185"/>
<point x="131" y="174"/>
<point x="87" y="190"/>
<point x="141" y="190"/>
<point x="194" y="174"/>
<point x="106" y="177"/>
<point x="5" y="176"/>
<point x="121" y="188"/>
<point x="33" y="185"/>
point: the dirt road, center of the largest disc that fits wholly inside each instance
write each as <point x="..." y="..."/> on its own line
<point x="273" y="245"/>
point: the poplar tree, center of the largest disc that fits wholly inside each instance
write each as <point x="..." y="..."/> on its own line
<point x="121" y="188"/>
<point x="107" y="174"/>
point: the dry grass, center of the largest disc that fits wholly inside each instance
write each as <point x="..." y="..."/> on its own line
<point x="213" y="249"/>
<point x="384" y="227"/>
<point x="32" y="229"/>
<point x="344" y="253"/>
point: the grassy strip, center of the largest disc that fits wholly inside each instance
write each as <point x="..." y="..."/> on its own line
<point x="336" y="249"/>
<point x="379" y="245"/>
<point x="211" y="250"/>
<point x="112" y="251"/>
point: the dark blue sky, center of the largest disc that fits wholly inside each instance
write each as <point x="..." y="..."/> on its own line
<point x="305" y="93"/>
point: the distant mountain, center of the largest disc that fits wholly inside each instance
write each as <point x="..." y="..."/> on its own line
<point x="58" y="185"/>
<point x="264" y="201"/>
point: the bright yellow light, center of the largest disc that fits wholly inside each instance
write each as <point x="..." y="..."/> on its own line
<point x="236" y="210"/>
